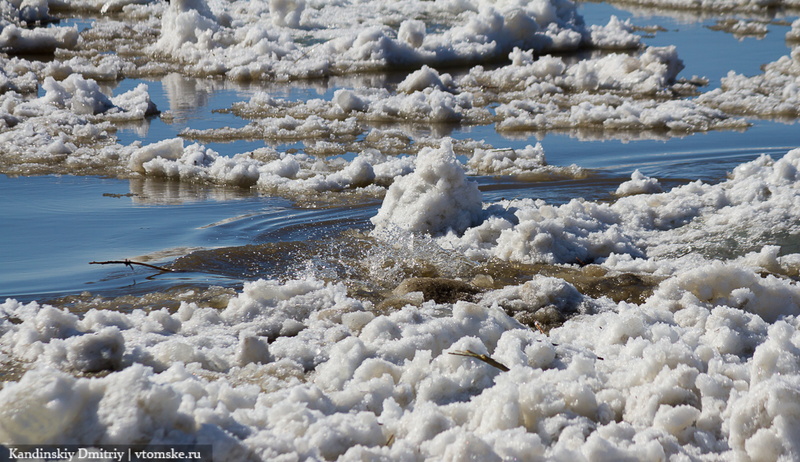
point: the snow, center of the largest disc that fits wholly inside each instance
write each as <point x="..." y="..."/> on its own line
<point x="532" y="231"/>
<point x="612" y="93"/>
<point x="71" y="123"/>
<point x="16" y="37"/>
<point x="703" y="364"/>
<point x="309" y="370"/>
<point x="716" y="6"/>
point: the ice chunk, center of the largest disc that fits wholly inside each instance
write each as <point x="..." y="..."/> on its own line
<point x="170" y="149"/>
<point x="436" y="198"/>
<point x="638" y="184"/>
<point x="425" y="78"/>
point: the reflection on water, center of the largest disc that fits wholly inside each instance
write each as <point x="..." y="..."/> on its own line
<point x="185" y="95"/>
<point x="54" y="225"/>
<point x="156" y="191"/>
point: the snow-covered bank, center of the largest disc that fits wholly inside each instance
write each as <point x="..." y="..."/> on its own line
<point x="300" y="369"/>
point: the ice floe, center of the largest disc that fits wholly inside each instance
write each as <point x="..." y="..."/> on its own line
<point x="773" y="94"/>
<point x="68" y="128"/>
<point x="204" y="37"/>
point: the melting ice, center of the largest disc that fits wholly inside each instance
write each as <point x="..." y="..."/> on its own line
<point x="701" y="363"/>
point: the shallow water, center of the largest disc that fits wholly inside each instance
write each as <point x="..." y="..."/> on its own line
<point x="53" y="226"/>
<point x="57" y="224"/>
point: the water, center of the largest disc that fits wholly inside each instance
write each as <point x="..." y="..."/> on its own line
<point x="53" y="226"/>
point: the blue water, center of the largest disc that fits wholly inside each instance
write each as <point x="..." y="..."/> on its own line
<point x="53" y="226"/>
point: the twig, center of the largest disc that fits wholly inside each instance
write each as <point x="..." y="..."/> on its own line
<point x="130" y="263"/>
<point x="485" y="358"/>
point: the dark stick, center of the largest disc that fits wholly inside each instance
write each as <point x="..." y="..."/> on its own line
<point x="485" y="358"/>
<point x="127" y="262"/>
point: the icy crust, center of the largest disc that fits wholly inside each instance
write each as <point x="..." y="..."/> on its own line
<point x="25" y="12"/>
<point x="16" y="75"/>
<point x="290" y="40"/>
<point x="742" y="28"/>
<point x="693" y="219"/>
<point x="69" y="128"/>
<point x="650" y="73"/>
<point x="794" y="33"/>
<point x="706" y="368"/>
<point x="425" y="96"/>
<point x="528" y="163"/>
<point x="25" y="75"/>
<point x="613" y="114"/>
<point x="99" y="6"/>
<point x="437" y="197"/>
<point x="15" y="39"/>
<point x="285" y="128"/>
<point x="78" y="96"/>
<point x="773" y="94"/>
<point x="614" y="93"/>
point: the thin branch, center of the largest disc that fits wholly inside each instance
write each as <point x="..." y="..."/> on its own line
<point x="130" y="263"/>
<point x="485" y="358"/>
